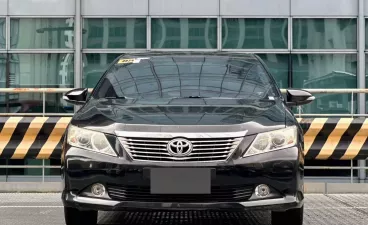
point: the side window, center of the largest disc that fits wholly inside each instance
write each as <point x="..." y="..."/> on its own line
<point x="106" y="89"/>
<point x="258" y="75"/>
<point x="49" y="109"/>
<point x="257" y="83"/>
<point x="35" y="109"/>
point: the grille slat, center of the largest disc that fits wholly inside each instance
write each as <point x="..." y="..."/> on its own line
<point x="165" y="153"/>
<point x="223" y="194"/>
<point x="212" y="149"/>
<point x="141" y="140"/>
<point x="212" y="141"/>
<point x="176" y="158"/>
<point x="146" y="148"/>
<point x="194" y="149"/>
<point x="134" y="152"/>
<point x="204" y="149"/>
<point x="145" y="144"/>
<point x="227" y="144"/>
<point x="148" y="195"/>
<point x="210" y="153"/>
<point x="216" y="189"/>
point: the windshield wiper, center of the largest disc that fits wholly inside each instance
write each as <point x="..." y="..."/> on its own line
<point x="197" y="96"/>
<point x="193" y="96"/>
<point x="267" y="98"/>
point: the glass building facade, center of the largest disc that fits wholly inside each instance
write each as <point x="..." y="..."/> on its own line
<point x="69" y="43"/>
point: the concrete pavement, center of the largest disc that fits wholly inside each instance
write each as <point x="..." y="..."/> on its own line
<point x="46" y="209"/>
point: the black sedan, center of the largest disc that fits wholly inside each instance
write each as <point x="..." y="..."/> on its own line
<point x="178" y="131"/>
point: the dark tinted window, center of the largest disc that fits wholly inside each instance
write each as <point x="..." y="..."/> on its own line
<point x="183" y="76"/>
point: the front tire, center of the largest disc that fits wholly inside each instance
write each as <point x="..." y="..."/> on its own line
<point x="289" y="217"/>
<point x="74" y="216"/>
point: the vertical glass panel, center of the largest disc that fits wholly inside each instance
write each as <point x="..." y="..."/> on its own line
<point x="53" y="171"/>
<point x="2" y="170"/>
<point x="24" y="171"/>
<point x="254" y="33"/>
<point x="2" y="70"/>
<point x="326" y="71"/>
<point x="36" y="71"/>
<point x="366" y="82"/>
<point x="114" y="33"/>
<point x="329" y="172"/>
<point x="328" y="33"/>
<point x="35" y="33"/>
<point x="41" y="70"/>
<point x="3" y="58"/>
<point x="95" y="65"/>
<point x="29" y="174"/>
<point x="278" y="65"/>
<point x="366" y="33"/>
<point x="2" y="33"/>
<point x="184" y="33"/>
<point x="33" y="103"/>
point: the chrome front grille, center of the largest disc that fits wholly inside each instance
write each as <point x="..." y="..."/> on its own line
<point x="204" y="149"/>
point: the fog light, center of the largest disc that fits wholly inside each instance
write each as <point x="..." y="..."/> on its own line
<point x="98" y="190"/>
<point x="262" y="191"/>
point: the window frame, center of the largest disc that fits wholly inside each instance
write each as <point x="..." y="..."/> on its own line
<point x="116" y="50"/>
<point x="312" y="50"/>
<point x="260" y="50"/>
<point x="218" y="46"/>
<point x="38" y="50"/>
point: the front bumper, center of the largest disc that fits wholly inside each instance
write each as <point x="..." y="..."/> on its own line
<point x="281" y="170"/>
<point x="86" y="203"/>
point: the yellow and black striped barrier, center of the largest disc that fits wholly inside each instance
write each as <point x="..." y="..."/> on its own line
<point x="324" y="138"/>
<point x="32" y="137"/>
<point x="335" y="138"/>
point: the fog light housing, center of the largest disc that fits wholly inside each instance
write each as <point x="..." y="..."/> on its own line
<point x="262" y="191"/>
<point x="98" y="190"/>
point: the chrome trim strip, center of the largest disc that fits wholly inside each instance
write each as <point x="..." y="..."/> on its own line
<point x="266" y="202"/>
<point x="140" y="144"/>
<point x="173" y="158"/>
<point x="137" y="134"/>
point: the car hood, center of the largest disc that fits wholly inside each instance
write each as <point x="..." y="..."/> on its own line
<point x="181" y="115"/>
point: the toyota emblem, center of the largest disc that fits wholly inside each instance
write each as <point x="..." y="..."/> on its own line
<point x="179" y="147"/>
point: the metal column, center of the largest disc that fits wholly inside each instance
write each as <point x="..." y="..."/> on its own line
<point x="361" y="74"/>
<point x="77" y="48"/>
<point x="78" y="45"/>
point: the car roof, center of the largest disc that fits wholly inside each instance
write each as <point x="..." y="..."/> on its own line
<point x="250" y="57"/>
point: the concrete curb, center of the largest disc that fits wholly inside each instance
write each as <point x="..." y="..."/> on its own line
<point x="309" y="188"/>
<point x="6" y="187"/>
<point x="347" y="188"/>
<point x="336" y="188"/>
<point x="315" y="188"/>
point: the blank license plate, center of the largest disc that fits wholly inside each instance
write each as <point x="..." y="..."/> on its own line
<point x="180" y="180"/>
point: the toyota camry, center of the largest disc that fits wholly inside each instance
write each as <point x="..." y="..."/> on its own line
<point x="184" y="131"/>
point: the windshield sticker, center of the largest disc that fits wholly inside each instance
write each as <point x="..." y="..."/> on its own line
<point x="122" y="61"/>
<point x="136" y="60"/>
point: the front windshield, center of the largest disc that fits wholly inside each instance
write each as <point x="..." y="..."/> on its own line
<point x="167" y="77"/>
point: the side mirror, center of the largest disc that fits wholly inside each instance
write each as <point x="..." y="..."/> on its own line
<point x="76" y="96"/>
<point x="298" y="97"/>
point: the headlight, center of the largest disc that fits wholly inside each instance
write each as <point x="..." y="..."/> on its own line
<point x="274" y="140"/>
<point x="89" y="140"/>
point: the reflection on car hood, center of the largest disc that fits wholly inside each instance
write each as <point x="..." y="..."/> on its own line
<point x="189" y="114"/>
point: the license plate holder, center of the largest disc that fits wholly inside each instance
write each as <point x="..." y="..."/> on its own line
<point x="180" y="180"/>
